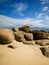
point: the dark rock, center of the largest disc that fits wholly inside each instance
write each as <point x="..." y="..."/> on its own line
<point x="39" y="35"/>
<point x="15" y="29"/>
<point x="25" y="28"/>
<point x="45" y="51"/>
<point x="19" y="36"/>
<point x="12" y="46"/>
<point x="28" y="36"/>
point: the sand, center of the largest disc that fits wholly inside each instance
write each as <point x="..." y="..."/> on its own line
<point x="22" y="55"/>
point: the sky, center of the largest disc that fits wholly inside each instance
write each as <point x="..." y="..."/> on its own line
<point x="24" y="12"/>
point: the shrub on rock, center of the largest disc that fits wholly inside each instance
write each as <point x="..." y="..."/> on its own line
<point x="6" y="36"/>
<point x="25" y="28"/>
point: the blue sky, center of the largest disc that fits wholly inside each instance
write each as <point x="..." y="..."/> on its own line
<point x="31" y="12"/>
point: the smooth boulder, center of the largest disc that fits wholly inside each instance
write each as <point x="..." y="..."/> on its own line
<point x="6" y="36"/>
<point x="28" y="36"/>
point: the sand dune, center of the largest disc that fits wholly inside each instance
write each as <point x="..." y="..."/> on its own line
<point x="22" y="55"/>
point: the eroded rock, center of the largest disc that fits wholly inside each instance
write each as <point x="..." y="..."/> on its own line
<point x="6" y="36"/>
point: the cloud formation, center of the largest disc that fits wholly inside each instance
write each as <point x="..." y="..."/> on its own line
<point x="19" y="8"/>
<point x="15" y="7"/>
<point x="44" y="1"/>
<point x="7" y="21"/>
<point x="45" y="8"/>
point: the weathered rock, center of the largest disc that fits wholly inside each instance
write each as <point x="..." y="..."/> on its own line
<point x="45" y="51"/>
<point x="42" y="42"/>
<point x="19" y="36"/>
<point x="12" y="46"/>
<point x="28" y="36"/>
<point x="39" y="35"/>
<point x="29" y="42"/>
<point x="6" y="36"/>
<point x="15" y="29"/>
<point x="48" y="35"/>
<point x="43" y="31"/>
<point x="25" y="28"/>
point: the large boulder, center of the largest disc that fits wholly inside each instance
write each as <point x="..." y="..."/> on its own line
<point x="25" y="28"/>
<point x="6" y="36"/>
<point x="42" y="42"/>
<point x="28" y="36"/>
<point x="45" y="51"/>
<point x="39" y="35"/>
<point x="15" y="29"/>
<point x="19" y="36"/>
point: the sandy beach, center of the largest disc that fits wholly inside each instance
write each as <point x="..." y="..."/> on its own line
<point x="23" y="54"/>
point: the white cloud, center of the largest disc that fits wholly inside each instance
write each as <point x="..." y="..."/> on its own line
<point x="7" y="21"/>
<point x="44" y="1"/>
<point x="19" y="7"/>
<point x="10" y="22"/>
<point x="15" y="7"/>
<point x="47" y="18"/>
<point x="45" y="8"/>
<point x="39" y="16"/>
<point x="21" y="13"/>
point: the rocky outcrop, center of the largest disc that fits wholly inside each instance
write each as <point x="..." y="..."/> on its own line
<point x="28" y="36"/>
<point x="39" y="35"/>
<point x="42" y="42"/>
<point x="15" y="29"/>
<point x="6" y="36"/>
<point x="19" y="36"/>
<point x="25" y="28"/>
<point x="45" y="51"/>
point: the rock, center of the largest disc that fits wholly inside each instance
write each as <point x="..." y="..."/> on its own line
<point x="12" y="46"/>
<point x="39" y="35"/>
<point x="15" y="29"/>
<point x="19" y="36"/>
<point x="45" y="51"/>
<point x="25" y="28"/>
<point x="29" y="42"/>
<point x="6" y="36"/>
<point x="43" y="31"/>
<point x="28" y="36"/>
<point x="48" y="35"/>
<point x="42" y="42"/>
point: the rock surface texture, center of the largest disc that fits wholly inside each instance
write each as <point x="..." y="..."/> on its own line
<point x="6" y="36"/>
